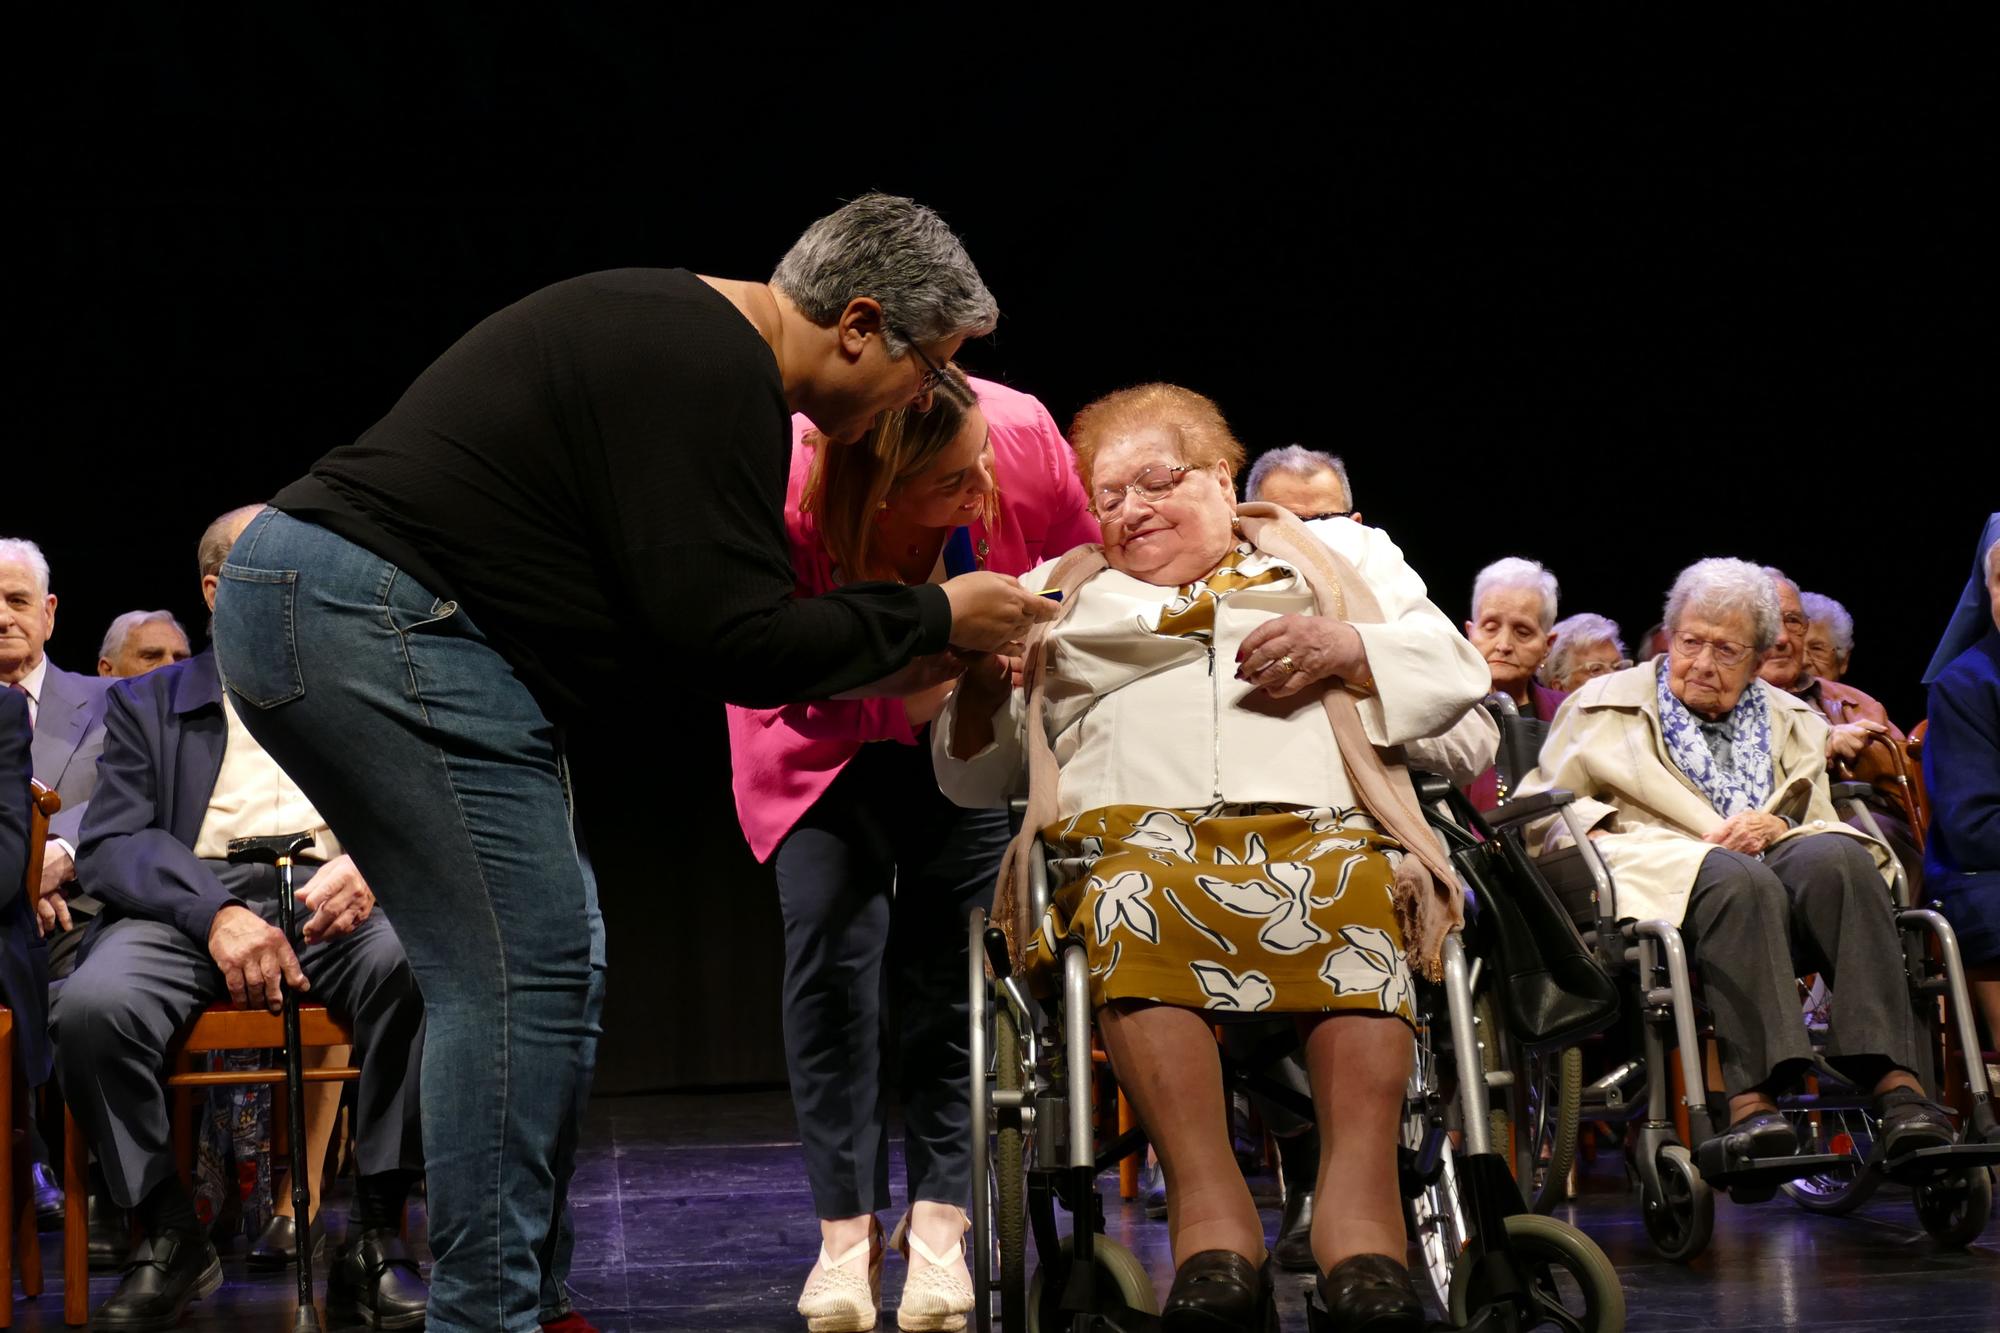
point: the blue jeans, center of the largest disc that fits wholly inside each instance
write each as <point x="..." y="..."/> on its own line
<point x="421" y="747"/>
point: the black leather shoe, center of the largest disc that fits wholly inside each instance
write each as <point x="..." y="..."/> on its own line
<point x="278" y="1247"/>
<point x="1293" y="1251"/>
<point x="1910" y="1121"/>
<point x="167" y="1272"/>
<point x="110" y="1235"/>
<point x="48" y="1194"/>
<point x="1765" y="1134"/>
<point x="377" y="1277"/>
<point x="1371" y="1293"/>
<point x="1219" y="1291"/>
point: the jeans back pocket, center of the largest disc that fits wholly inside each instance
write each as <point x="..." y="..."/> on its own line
<point x="255" y="623"/>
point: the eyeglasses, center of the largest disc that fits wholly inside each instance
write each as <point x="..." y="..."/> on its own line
<point x="1604" y="668"/>
<point x="1726" y="654"/>
<point x="933" y="372"/>
<point x="1331" y="513"/>
<point x="1155" y="483"/>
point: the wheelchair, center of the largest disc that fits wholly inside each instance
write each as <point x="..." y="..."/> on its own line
<point x="1489" y="1262"/>
<point x="1682" y="1159"/>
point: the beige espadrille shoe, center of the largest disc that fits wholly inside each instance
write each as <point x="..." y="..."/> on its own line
<point x="844" y="1294"/>
<point x="937" y="1294"/>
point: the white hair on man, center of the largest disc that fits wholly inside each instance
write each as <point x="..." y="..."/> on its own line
<point x="901" y="255"/>
<point x="1823" y="610"/>
<point x="1295" y="460"/>
<point x="1576" y="634"/>
<point x="1513" y="571"/>
<point x="21" y="551"/>
<point x="1721" y="586"/>
<point x="121" y="630"/>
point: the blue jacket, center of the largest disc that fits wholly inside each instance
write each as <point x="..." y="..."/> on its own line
<point x="164" y="734"/>
<point x="1962" y="774"/>
<point x="24" y="963"/>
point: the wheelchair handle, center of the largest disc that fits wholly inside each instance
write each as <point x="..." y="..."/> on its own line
<point x="996" y="952"/>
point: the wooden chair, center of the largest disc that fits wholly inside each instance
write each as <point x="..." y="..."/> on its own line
<point x="20" y="1245"/>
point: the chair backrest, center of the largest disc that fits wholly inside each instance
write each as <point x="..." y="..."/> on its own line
<point x="41" y="808"/>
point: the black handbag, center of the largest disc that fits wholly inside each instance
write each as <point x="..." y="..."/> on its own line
<point x="1553" y="990"/>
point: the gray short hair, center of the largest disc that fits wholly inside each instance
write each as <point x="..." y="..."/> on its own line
<point x="1585" y="629"/>
<point x="1823" y="610"/>
<point x="1298" y="461"/>
<point x="216" y="539"/>
<point x="121" y="629"/>
<point x="1514" y="572"/>
<point x="1726" y="586"/>
<point x="899" y="253"/>
<point x="20" y="550"/>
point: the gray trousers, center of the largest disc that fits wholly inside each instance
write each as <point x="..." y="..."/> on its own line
<point x="1812" y="904"/>
<point x="140" y="982"/>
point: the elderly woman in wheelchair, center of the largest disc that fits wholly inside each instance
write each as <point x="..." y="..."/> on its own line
<point x="1229" y="839"/>
<point x="1704" y="792"/>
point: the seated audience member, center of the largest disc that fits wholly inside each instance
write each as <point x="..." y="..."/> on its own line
<point x="1962" y="773"/>
<point x="183" y="928"/>
<point x="24" y="984"/>
<point x="139" y="641"/>
<point x="1311" y="484"/>
<point x="1197" y="808"/>
<point x="1513" y="619"/>
<point x="1829" y="636"/>
<point x="1969" y="617"/>
<point x="1705" y="791"/>
<point x="67" y="711"/>
<point x="1653" y="644"/>
<point x="1587" y="646"/>
<point x="1859" y="729"/>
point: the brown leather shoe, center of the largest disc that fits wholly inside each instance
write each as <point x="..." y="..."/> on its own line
<point x="1219" y="1291"/>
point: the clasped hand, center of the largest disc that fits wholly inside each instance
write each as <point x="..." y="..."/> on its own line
<point x="256" y="960"/>
<point x="1749" y="832"/>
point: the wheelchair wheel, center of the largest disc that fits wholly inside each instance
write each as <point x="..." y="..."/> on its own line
<point x="1570" y="1281"/>
<point x="1122" y="1285"/>
<point x="1010" y="1212"/>
<point x="1851" y="1133"/>
<point x="1954" y="1208"/>
<point x="1548" y="1106"/>
<point x="1437" y="1217"/>
<point x="1681" y="1219"/>
<point x="1494" y="1050"/>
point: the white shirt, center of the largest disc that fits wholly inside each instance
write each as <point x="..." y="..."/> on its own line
<point x="1136" y="717"/>
<point x="254" y="799"/>
<point x="32" y="683"/>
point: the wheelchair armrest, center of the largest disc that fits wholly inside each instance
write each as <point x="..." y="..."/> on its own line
<point x="1850" y="791"/>
<point x="1431" y="787"/>
<point x="1524" y="808"/>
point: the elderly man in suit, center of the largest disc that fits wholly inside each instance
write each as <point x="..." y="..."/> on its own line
<point x="24" y="980"/>
<point x="67" y="713"/>
<point x="184" y="927"/>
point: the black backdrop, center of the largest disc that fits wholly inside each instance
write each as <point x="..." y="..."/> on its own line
<point x="1611" y="298"/>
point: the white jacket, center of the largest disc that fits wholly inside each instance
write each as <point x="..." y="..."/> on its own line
<point x="1140" y="718"/>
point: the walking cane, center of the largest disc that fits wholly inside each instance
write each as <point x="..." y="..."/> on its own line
<point x="279" y="852"/>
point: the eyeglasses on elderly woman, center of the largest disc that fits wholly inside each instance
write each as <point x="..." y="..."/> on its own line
<point x="1725" y="653"/>
<point x="1602" y="668"/>
<point x="1155" y="483"/>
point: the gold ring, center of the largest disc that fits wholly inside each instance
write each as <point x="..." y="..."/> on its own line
<point x="1288" y="664"/>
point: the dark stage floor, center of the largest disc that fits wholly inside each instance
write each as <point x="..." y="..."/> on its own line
<point x="692" y="1213"/>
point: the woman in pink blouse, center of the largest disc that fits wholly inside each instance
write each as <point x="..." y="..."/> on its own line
<point x="875" y="868"/>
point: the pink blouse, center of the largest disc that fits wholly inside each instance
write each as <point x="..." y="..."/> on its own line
<point x="784" y="759"/>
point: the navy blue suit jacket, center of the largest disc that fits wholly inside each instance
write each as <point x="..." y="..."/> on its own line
<point x="24" y="963"/>
<point x="164" y="734"/>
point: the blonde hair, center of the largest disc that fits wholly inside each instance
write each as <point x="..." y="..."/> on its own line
<point x="849" y="484"/>
<point x="1192" y="420"/>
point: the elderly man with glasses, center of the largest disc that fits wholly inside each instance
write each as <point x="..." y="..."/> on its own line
<point x="1705" y="792"/>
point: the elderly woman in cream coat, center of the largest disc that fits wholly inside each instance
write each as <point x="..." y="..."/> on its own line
<point x="1222" y="848"/>
<point x="1705" y="793"/>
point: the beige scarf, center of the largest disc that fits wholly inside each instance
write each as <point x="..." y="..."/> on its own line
<point x="1429" y="902"/>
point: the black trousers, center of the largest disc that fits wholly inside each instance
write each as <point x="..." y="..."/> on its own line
<point x="1812" y="904"/>
<point x="874" y="884"/>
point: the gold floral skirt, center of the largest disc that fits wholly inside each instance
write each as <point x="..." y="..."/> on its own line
<point x="1243" y="908"/>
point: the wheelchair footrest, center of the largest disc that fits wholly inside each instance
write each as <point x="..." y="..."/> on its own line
<point x="1925" y="1163"/>
<point x="1752" y="1179"/>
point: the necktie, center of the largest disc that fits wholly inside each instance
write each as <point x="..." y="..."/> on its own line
<point x="22" y="690"/>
